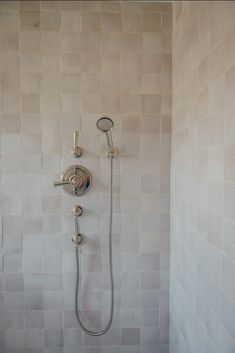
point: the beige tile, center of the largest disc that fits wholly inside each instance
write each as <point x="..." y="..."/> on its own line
<point x="31" y="83"/>
<point x="203" y="104"/>
<point x="216" y="162"/>
<point x="228" y="243"/>
<point x="110" y="63"/>
<point x="166" y="63"/>
<point x="130" y="104"/>
<point x="151" y="63"/>
<point x="90" y="42"/>
<point x="9" y="62"/>
<point x="151" y="22"/>
<point x="229" y="125"/>
<point x="150" y="123"/>
<point x="216" y="128"/>
<point x="30" y="40"/>
<point x="110" y="84"/>
<point x="130" y="63"/>
<point x="31" y="143"/>
<point x="151" y="103"/>
<point x="9" y="20"/>
<point x="131" y="42"/>
<point x="91" y="103"/>
<point x="31" y="123"/>
<point x="229" y="85"/>
<point x="111" y="42"/>
<point x="130" y="83"/>
<point x="131" y="124"/>
<point x="71" y="83"/>
<point x="111" y="22"/>
<point x="151" y="83"/>
<point x="149" y="144"/>
<point x="204" y="72"/>
<point x="10" y="82"/>
<point x="9" y="41"/>
<point x="50" y="143"/>
<point x="51" y="82"/>
<point x="229" y="156"/>
<point x="10" y="124"/>
<point x="70" y="63"/>
<point x="30" y="62"/>
<point x="217" y="93"/>
<point x="70" y="42"/>
<point x="131" y="22"/>
<point x="152" y="42"/>
<point x="51" y="103"/>
<point x="229" y="195"/>
<point x="91" y="21"/>
<point x="229" y="49"/>
<point x="90" y="83"/>
<point x="50" y="41"/>
<point x="166" y="124"/>
<point x="110" y="104"/>
<point x="167" y="23"/>
<point x="70" y="103"/>
<point x="31" y="103"/>
<point x="91" y="63"/>
<point x="218" y="60"/>
<point x="50" y="62"/>
<point x="50" y="21"/>
<point x="30" y="20"/>
<point x="70" y="21"/>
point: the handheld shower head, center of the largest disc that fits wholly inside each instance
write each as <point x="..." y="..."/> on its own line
<point x="105" y="125"/>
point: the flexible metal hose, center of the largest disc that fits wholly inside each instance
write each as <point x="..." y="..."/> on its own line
<point x="103" y="331"/>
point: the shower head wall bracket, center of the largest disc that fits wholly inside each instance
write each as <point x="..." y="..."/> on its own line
<point x="111" y="152"/>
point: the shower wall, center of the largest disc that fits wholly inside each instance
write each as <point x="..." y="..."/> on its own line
<point x="203" y="178"/>
<point x="62" y="66"/>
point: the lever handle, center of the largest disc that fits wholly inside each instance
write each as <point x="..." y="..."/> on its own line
<point x="75" y="138"/>
<point x="59" y="183"/>
<point x="77" y="151"/>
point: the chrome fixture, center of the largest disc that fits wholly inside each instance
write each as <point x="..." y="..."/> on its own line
<point x="77" y="211"/>
<point x="77" y="238"/>
<point x="76" y="180"/>
<point x="76" y="151"/>
<point x="105" y="125"/>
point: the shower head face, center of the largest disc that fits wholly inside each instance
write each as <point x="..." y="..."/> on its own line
<point x="105" y="124"/>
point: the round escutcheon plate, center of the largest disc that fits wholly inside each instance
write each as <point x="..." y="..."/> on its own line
<point x="79" y="179"/>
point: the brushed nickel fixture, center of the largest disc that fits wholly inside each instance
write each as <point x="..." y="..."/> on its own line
<point x="76" y="180"/>
<point x="105" y="125"/>
<point x="77" y="238"/>
<point x="76" y="151"/>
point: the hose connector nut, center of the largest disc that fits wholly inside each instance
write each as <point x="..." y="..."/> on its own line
<point x="77" y="239"/>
